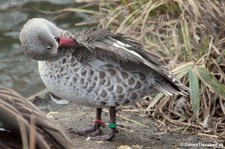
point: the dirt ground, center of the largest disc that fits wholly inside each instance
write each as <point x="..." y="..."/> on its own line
<point x="132" y="136"/>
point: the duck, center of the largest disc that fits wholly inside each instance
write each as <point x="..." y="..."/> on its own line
<point x="96" y="68"/>
<point x="22" y="125"/>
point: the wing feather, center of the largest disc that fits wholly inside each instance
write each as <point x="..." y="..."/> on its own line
<point x="118" y="47"/>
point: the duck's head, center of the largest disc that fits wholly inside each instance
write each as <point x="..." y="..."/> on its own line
<point x="41" y="39"/>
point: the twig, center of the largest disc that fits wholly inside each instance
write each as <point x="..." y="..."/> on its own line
<point x="207" y="135"/>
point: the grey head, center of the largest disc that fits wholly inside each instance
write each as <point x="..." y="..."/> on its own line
<point x="37" y="39"/>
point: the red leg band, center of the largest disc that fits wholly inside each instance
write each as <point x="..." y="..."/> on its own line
<point x="99" y="121"/>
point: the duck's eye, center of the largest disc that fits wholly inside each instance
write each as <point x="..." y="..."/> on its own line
<point x="49" y="47"/>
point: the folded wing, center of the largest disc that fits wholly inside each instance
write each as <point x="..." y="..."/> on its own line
<point x="102" y="44"/>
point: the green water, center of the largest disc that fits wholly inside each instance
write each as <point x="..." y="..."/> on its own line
<point x="17" y="71"/>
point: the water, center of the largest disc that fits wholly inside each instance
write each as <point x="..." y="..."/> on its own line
<point x="17" y="71"/>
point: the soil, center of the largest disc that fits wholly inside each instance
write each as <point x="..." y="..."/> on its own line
<point x="131" y="136"/>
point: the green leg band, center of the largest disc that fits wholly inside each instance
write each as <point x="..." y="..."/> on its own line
<point x="112" y="125"/>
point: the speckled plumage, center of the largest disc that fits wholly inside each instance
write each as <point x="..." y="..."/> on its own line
<point x="96" y="83"/>
<point x="105" y="69"/>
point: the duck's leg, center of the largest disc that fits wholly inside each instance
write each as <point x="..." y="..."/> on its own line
<point x="93" y="130"/>
<point x="112" y="126"/>
<point x="97" y="123"/>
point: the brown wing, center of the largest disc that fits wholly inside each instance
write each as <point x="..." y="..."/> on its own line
<point x="106" y="45"/>
<point x="17" y="113"/>
<point x="102" y="44"/>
